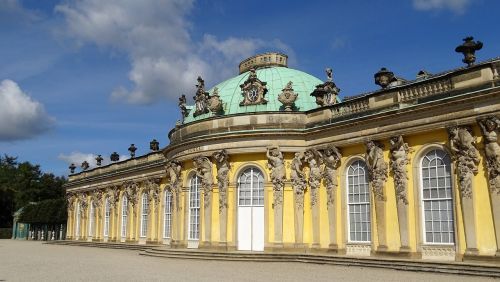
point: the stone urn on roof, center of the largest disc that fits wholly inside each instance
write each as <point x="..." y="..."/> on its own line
<point x="468" y="49"/>
<point x="288" y="97"/>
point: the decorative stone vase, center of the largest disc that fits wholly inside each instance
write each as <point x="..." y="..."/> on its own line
<point x="288" y="97"/>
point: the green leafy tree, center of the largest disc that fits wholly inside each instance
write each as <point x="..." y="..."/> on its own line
<point x="25" y="183"/>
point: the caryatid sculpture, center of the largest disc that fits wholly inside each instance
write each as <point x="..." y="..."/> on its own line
<point x="298" y="178"/>
<point x="313" y="158"/>
<point x="462" y="145"/>
<point x="331" y="159"/>
<point x="173" y="169"/>
<point x="399" y="161"/>
<point x="277" y="166"/>
<point x="377" y="168"/>
<point x="222" y="163"/>
<point x="204" y="169"/>
<point x="490" y="127"/>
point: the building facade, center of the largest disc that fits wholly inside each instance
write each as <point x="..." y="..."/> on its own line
<point x="272" y="160"/>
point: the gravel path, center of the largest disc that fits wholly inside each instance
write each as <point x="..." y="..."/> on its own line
<point x="33" y="261"/>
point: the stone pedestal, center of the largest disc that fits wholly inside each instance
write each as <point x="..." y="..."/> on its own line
<point x="299" y="219"/>
<point x="315" y="218"/>
<point x="469" y="225"/>
<point x="278" y="218"/>
<point x="381" y="222"/>
<point x="332" y="225"/>
<point x="403" y="225"/>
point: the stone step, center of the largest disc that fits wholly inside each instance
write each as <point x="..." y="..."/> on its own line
<point x="450" y="268"/>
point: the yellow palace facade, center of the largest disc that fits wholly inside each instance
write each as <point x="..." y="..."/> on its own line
<point x="272" y="160"/>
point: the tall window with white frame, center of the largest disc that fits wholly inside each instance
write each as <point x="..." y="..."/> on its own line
<point x="144" y="215"/>
<point x="194" y="208"/>
<point x="77" y="216"/>
<point x="106" y="217"/>
<point x="358" y="203"/>
<point x="167" y="219"/>
<point x="124" y="216"/>
<point x="91" y="219"/>
<point x="437" y="198"/>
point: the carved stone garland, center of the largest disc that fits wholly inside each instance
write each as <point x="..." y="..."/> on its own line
<point x="253" y="90"/>
<point x="377" y="168"/>
<point x="276" y="164"/>
<point x="490" y="128"/>
<point x="466" y="155"/>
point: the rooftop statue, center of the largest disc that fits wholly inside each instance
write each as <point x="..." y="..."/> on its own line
<point x="201" y="98"/>
<point x="327" y="92"/>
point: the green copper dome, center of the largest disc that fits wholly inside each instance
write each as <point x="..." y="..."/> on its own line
<point x="276" y="78"/>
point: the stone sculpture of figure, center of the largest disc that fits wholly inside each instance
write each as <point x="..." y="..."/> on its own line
<point x="277" y="166"/>
<point x="462" y="144"/>
<point x="182" y="106"/>
<point x="490" y="127"/>
<point x="70" y="199"/>
<point x="153" y="187"/>
<point x="329" y="74"/>
<point x="204" y="169"/>
<point x="114" y="196"/>
<point x="298" y="178"/>
<point x="399" y="161"/>
<point x="222" y="162"/>
<point x="377" y="168"/>
<point x="313" y="158"/>
<point x="132" y="194"/>
<point x="201" y="98"/>
<point x="173" y="169"/>
<point x="331" y="158"/>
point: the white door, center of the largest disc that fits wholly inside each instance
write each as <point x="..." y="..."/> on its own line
<point x="251" y="210"/>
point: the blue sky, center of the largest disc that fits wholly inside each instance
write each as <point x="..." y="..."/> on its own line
<point x="84" y="77"/>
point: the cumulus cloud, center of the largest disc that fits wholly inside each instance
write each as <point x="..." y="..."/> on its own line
<point x="457" y="6"/>
<point x="154" y="34"/>
<point x="21" y="117"/>
<point x="78" y="158"/>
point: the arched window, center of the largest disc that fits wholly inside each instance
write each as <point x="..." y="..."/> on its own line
<point x="77" y="215"/>
<point x="251" y="188"/>
<point x="437" y="198"/>
<point x="358" y="202"/>
<point x="194" y="208"/>
<point x="144" y="215"/>
<point x="167" y="219"/>
<point x="91" y="219"/>
<point x="106" y="217"/>
<point x="124" y="216"/>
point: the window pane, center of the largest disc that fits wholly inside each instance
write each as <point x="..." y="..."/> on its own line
<point x="358" y="200"/>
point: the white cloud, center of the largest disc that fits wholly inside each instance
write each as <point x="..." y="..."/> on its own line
<point x="13" y="11"/>
<point x="21" y="117"/>
<point x="154" y="34"/>
<point x="457" y="6"/>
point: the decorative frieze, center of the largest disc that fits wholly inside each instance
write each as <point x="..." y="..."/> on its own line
<point x="223" y="166"/>
<point x="276" y="164"/>
<point x="399" y="161"/>
<point x="466" y="156"/>
<point x="377" y="168"/>
<point x="490" y="127"/>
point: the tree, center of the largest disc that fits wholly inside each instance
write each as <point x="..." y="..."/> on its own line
<point x="24" y="183"/>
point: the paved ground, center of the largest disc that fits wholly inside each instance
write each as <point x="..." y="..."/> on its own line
<point x="33" y="261"/>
